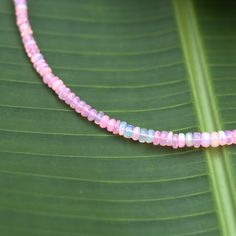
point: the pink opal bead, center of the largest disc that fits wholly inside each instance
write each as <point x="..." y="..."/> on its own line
<point x="104" y="121"/>
<point x="111" y="125"/>
<point x="56" y="84"/>
<point x="52" y="81"/>
<point x="157" y="136"/>
<point x="116" y="127"/>
<point x="75" y="101"/>
<point x="181" y="140"/>
<point x="234" y="136"/>
<point x="189" y="139"/>
<point x="175" y="141"/>
<point x="85" y="111"/>
<point x="222" y="138"/>
<point x="47" y="78"/>
<point x="45" y="70"/>
<point x="92" y="114"/>
<point x="136" y="133"/>
<point x="169" y="139"/>
<point x="163" y="138"/>
<point x="205" y="139"/>
<point x="79" y="107"/>
<point x="69" y="98"/>
<point x="229" y="137"/>
<point x="196" y="139"/>
<point x="214" y="139"/>
<point x="60" y="88"/>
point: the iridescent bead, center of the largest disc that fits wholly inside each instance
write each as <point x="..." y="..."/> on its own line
<point x="157" y="136"/>
<point x="111" y="125"/>
<point x="64" y="93"/>
<point x="74" y="102"/>
<point x="122" y="127"/>
<point x="70" y="97"/>
<point x="143" y="135"/>
<point x="234" y="136"/>
<point x="196" y="139"/>
<point x="181" y="140"/>
<point x="98" y="117"/>
<point x="222" y="138"/>
<point x="205" y="139"/>
<point x="86" y="109"/>
<point x="214" y="139"/>
<point x="104" y="121"/>
<point x="128" y="131"/>
<point x="175" y="141"/>
<point x="79" y="107"/>
<point x="189" y="139"/>
<point x="136" y="133"/>
<point x="56" y="84"/>
<point x="163" y="138"/>
<point x="116" y="127"/>
<point x="229" y="137"/>
<point x="92" y="115"/>
<point x="150" y="136"/>
<point x="169" y="139"/>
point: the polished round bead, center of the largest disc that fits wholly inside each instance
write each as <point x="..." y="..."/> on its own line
<point x="205" y="139"/>
<point x="63" y="94"/>
<point x="104" y="121"/>
<point x="74" y="102"/>
<point x="86" y="109"/>
<point x="229" y="137"/>
<point x="169" y="138"/>
<point x="222" y="138"/>
<point x="157" y="136"/>
<point x="181" y="140"/>
<point x="143" y="135"/>
<point x="234" y="136"/>
<point x="122" y="127"/>
<point x="111" y="125"/>
<point x="98" y="117"/>
<point x="56" y="84"/>
<point x="128" y="131"/>
<point x="214" y="139"/>
<point x="136" y="133"/>
<point x="196" y="139"/>
<point x="92" y="114"/>
<point x="189" y="139"/>
<point x="163" y="138"/>
<point x="116" y="127"/>
<point x="175" y="141"/>
<point x="79" y="107"/>
<point x="150" y="136"/>
<point x="69" y="98"/>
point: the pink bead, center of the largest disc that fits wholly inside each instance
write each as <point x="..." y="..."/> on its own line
<point x="214" y="139"/>
<point x="163" y="138"/>
<point x="136" y="133"/>
<point x="104" y="121"/>
<point x="111" y="125"/>
<point x="92" y="114"/>
<point x="56" y="84"/>
<point x="85" y="111"/>
<point x="80" y="106"/>
<point x="75" y="102"/>
<point x="157" y="136"/>
<point x="205" y="139"/>
<point x="60" y="88"/>
<point x="45" y="70"/>
<point x="181" y="140"/>
<point x="229" y="137"/>
<point x="175" y="141"/>
<point x="234" y="136"/>
<point x="52" y="81"/>
<point x="69" y="98"/>
<point x="169" y="139"/>
<point x="47" y="77"/>
<point x="222" y="138"/>
<point x="116" y="127"/>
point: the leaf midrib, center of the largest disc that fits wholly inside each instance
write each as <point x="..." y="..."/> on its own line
<point x="207" y="113"/>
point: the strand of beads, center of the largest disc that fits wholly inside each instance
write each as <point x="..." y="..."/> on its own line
<point x="143" y="135"/>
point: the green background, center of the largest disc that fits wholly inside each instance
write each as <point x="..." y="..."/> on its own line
<point x="168" y="65"/>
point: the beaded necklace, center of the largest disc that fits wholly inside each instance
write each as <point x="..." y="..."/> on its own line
<point x="115" y="126"/>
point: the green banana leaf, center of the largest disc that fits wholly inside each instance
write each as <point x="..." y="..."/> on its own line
<point x="167" y="65"/>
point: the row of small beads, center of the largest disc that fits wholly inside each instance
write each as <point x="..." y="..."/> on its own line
<point x="163" y="138"/>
